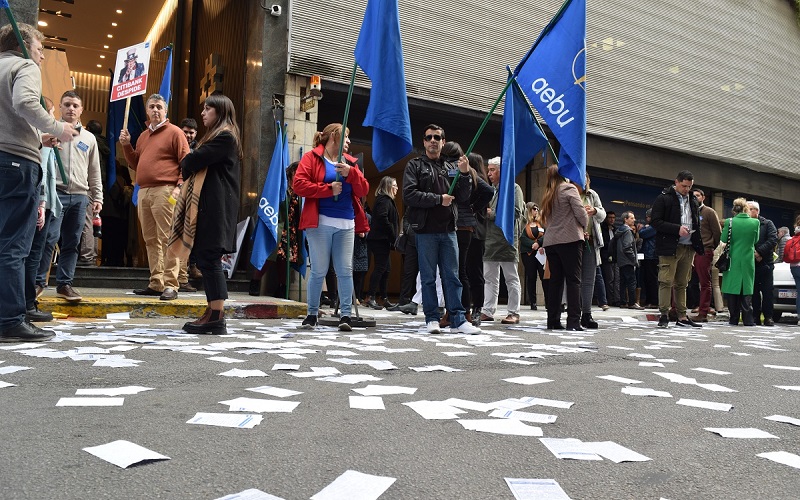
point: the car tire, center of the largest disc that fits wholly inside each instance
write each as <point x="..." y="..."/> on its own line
<point x="776" y="316"/>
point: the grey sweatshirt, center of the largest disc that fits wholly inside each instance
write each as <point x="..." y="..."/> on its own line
<point x="82" y="165"/>
<point x="24" y="116"/>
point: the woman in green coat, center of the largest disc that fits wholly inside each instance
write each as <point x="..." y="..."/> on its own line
<point x="737" y="282"/>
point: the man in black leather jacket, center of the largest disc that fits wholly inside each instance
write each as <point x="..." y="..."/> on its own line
<point x="763" y="301"/>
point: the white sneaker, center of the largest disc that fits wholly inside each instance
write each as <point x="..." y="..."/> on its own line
<point x="467" y="328"/>
<point x="433" y="327"/>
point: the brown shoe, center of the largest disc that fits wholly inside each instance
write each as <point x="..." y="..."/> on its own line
<point x="511" y="319"/>
<point x="486" y="318"/>
<point x="68" y="293"/>
<point x="445" y="321"/>
<point x="635" y="306"/>
<point x="147" y="291"/>
<point x="700" y="318"/>
<point x="210" y="323"/>
<point x="169" y="294"/>
<point x="186" y="287"/>
<point x="195" y="273"/>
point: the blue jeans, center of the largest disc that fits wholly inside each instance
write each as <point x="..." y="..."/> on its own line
<point x="19" y="197"/>
<point x="440" y="249"/>
<point x="70" y="223"/>
<point x="796" y="275"/>
<point x="600" y="288"/>
<point x="50" y="240"/>
<point x="324" y="242"/>
<point x="34" y="259"/>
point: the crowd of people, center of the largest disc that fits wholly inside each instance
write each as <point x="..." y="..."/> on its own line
<point x="454" y="253"/>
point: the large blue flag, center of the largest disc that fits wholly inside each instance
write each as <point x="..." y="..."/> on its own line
<point x="265" y="237"/>
<point x="302" y="254"/>
<point x="522" y="139"/>
<point x="553" y="76"/>
<point x="380" y="55"/>
<point x="137" y="118"/>
<point x="166" y="82"/>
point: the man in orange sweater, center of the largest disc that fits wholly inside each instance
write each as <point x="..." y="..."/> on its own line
<point x="156" y="160"/>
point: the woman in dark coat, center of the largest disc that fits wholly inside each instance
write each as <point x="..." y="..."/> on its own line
<point x="219" y="153"/>
<point x="384" y="229"/>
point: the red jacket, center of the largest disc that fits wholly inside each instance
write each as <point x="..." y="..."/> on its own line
<point x="310" y="184"/>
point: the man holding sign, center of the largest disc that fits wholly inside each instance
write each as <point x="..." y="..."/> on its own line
<point x="20" y="171"/>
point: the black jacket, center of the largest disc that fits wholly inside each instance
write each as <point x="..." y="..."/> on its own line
<point x="384" y="223"/>
<point x="767" y="241"/>
<point x="666" y="219"/>
<point x="479" y="199"/>
<point x="418" y="180"/>
<point x="218" y="206"/>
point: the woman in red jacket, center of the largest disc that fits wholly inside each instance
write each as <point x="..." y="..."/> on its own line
<point x="331" y="216"/>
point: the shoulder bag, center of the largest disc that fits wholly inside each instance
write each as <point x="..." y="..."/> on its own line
<point x="724" y="261"/>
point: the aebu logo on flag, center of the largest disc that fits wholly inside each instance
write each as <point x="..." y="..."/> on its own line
<point x="555" y="104"/>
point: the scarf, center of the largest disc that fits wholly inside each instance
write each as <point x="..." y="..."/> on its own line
<point x="184" y="220"/>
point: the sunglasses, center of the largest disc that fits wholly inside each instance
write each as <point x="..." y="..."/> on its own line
<point x="435" y="137"/>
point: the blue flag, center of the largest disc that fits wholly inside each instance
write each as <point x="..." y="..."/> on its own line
<point x="166" y="83"/>
<point x="553" y="76"/>
<point x="380" y="55"/>
<point x="136" y="125"/>
<point x="265" y="237"/>
<point x="522" y="139"/>
<point x="4" y="4"/>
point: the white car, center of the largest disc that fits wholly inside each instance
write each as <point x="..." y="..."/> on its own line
<point x="784" y="291"/>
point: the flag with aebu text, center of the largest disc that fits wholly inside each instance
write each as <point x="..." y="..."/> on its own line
<point x="522" y="139"/>
<point x="380" y="55"/>
<point x="266" y="235"/>
<point x="553" y="76"/>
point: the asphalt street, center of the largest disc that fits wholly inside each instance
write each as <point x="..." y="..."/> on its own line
<point x="294" y="455"/>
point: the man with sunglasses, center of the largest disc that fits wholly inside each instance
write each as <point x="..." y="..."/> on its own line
<point x="431" y="213"/>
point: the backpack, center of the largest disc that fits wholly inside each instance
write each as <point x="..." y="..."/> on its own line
<point x="791" y="252"/>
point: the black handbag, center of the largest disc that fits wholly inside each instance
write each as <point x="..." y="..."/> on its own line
<point x="724" y="261"/>
<point x="401" y="242"/>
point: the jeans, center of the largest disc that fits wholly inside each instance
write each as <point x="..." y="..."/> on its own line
<point x="588" y="273"/>
<point x="564" y="261"/>
<point x="324" y="243"/>
<point x="600" y="287"/>
<point x="19" y="197"/>
<point x="796" y="275"/>
<point x="34" y="259"/>
<point x="763" y="300"/>
<point x="674" y="269"/>
<point x="628" y="283"/>
<point x="491" y="290"/>
<point x="70" y="224"/>
<point x="50" y="240"/>
<point x="702" y="266"/>
<point x="440" y="249"/>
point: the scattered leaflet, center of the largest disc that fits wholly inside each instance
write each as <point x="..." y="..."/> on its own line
<point x="782" y="457"/>
<point x="527" y="380"/>
<point x="537" y="418"/>
<point x="507" y="426"/>
<point x="536" y="489"/>
<point x="226" y="420"/>
<point x="236" y="372"/>
<point x="741" y="433"/>
<point x="354" y="485"/>
<point x="644" y="391"/>
<point x="123" y="454"/>
<point x="251" y="494"/>
<point x="784" y="419"/>
<point x="708" y="405"/>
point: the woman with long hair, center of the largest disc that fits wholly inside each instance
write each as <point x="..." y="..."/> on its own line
<point x="331" y="216"/>
<point x="218" y="154"/>
<point x="530" y="245"/>
<point x="474" y="258"/>
<point x="740" y="234"/>
<point x="565" y="217"/>
<point x="384" y="229"/>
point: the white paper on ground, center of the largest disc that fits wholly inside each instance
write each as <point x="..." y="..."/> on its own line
<point x="112" y="391"/>
<point x="788" y="387"/>
<point x="741" y="433"/>
<point x="554" y="403"/>
<point x="226" y="420"/>
<point x="434" y="368"/>
<point x="274" y="391"/>
<point x="465" y="404"/>
<point x="236" y="372"/>
<point x="351" y="379"/>
<point x="536" y="489"/>
<point x="6" y="384"/>
<point x="117" y="363"/>
<point x="122" y="315"/>
<point x="622" y="380"/>
<point x="615" y="452"/>
<point x="317" y="371"/>
<point x="225" y="359"/>
<point x="677" y="378"/>
<point x="354" y="485"/>
<point x="782" y="457"/>
<point x="537" y="418"/>
<point x="716" y="388"/>
<point x="367" y="402"/>
<point x="507" y="426"/>
<point x="644" y="391"/>
<point x="651" y="364"/>
<point x="570" y="448"/>
<point x="709" y="370"/>
<point x="251" y="494"/>
<point x="383" y="390"/>
<point x="520" y="362"/>
<point x="90" y="402"/>
<point x="435" y="410"/>
<point x="124" y="453"/>
<point x="527" y="380"/>
<point x="261" y="405"/>
<point x="784" y="419"/>
<point x="708" y="405"/>
<point x="283" y="366"/>
<point x="5" y="370"/>
<point x="779" y="367"/>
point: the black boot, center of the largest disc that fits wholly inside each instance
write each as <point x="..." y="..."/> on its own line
<point x="588" y="322"/>
<point x="211" y="323"/>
